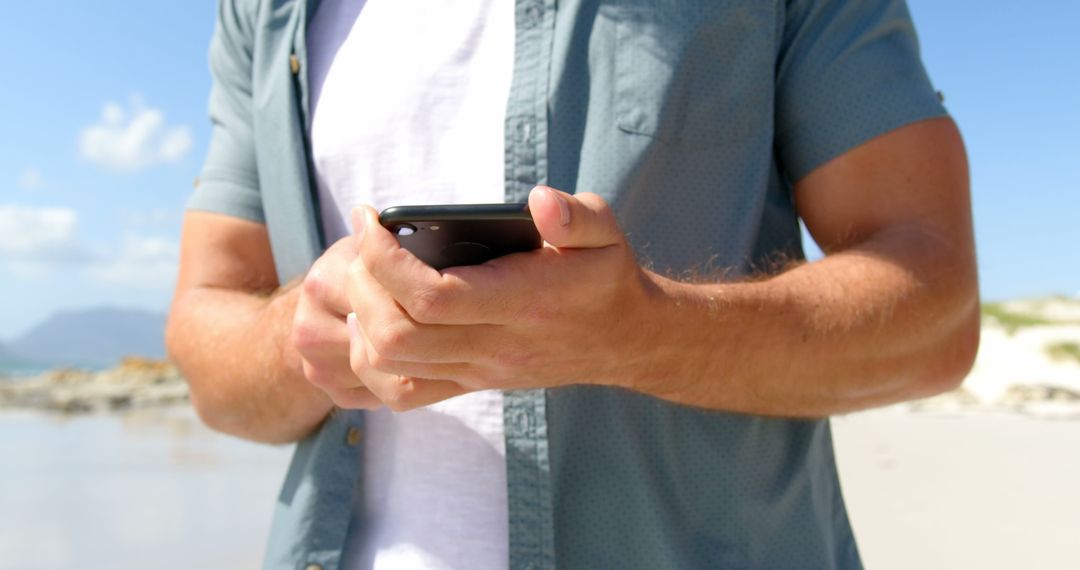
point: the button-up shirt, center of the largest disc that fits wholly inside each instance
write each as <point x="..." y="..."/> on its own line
<point x="693" y="119"/>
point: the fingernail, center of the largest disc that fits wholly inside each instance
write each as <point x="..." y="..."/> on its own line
<point x="359" y="220"/>
<point x="352" y="326"/>
<point x="564" y="207"/>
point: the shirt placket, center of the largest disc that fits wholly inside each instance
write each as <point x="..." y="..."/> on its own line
<point x="531" y="528"/>
<point x="331" y="461"/>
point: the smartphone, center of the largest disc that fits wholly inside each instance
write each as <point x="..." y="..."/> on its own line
<point x="464" y="234"/>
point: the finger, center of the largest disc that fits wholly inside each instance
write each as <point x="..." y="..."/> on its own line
<point x="325" y="282"/>
<point x="573" y="221"/>
<point x="319" y="334"/>
<point x="427" y="295"/>
<point x="399" y="393"/>
<point x="359" y="398"/>
<point x="382" y="254"/>
<point x="340" y="384"/>
<point x="325" y="290"/>
<point x="396" y="335"/>
<point x="459" y="372"/>
<point x="471" y="375"/>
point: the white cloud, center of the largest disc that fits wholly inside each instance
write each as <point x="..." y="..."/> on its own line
<point x="145" y="262"/>
<point x="35" y="241"/>
<point x="133" y="139"/>
<point x="39" y="235"/>
<point x="30" y="179"/>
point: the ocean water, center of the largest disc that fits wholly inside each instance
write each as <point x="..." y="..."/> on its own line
<point x="16" y="370"/>
<point x="142" y="490"/>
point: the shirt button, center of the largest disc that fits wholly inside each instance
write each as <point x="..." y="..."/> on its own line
<point x="519" y="422"/>
<point x="525" y="132"/>
<point x="352" y="437"/>
<point x="312" y="567"/>
<point x="534" y="15"/>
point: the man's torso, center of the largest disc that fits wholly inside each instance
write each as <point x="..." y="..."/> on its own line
<point x="692" y="119"/>
<point x="398" y="121"/>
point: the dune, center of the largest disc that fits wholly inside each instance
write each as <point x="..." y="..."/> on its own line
<point x="1028" y="362"/>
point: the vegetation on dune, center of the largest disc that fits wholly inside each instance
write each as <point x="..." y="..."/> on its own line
<point x="1067" y="351"/>
<point x="1013" y="321"/>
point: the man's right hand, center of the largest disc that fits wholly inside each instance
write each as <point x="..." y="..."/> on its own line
<point x="319" y="330"/>
<point x="250" y="347"/>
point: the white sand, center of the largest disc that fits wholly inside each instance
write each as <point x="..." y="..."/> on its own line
<point x="1006" y="360"/>
<point x="981" y="490"/>
<point x="152" y="490"/>
<point x="1051" y="308"/>
<point x="985" y="477"/>
<point x="1015" y="371"/>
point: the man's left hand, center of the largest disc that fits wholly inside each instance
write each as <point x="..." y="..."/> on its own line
<point x="574" y="311"/>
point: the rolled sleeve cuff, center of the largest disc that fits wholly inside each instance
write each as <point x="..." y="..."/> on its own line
<point x="830" y="132"/>
<point x="227" y="196"/>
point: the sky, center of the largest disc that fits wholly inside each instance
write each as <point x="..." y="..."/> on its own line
<point x="103" y="122"/>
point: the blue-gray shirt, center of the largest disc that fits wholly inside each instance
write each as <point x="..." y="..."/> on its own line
<point x="693" y="118"/>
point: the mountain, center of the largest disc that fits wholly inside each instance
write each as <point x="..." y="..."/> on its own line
<point x="12" y="365"/>
<point x="8" y="360"/>
<point x="92" y="338"/>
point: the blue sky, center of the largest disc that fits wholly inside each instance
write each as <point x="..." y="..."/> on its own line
<point x="104" y="129"/>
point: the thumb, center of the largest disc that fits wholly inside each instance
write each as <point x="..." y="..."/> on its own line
<point x="359" y="217"/>
<point x="573" y="221"/>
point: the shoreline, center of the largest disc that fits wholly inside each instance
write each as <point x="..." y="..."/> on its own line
<point x="134" y="383"/>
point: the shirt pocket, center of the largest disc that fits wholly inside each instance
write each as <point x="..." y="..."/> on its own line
<point x="695" y="72"/>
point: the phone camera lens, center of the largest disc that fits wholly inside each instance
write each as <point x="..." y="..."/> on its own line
<point x="402" y="230"/>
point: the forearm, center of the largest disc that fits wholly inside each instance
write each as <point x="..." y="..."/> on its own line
<point x="890" y="319"/>
<point x="245" y="377"/>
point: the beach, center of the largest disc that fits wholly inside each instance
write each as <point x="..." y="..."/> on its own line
<point x="984" y="476"/>
<point x="113" y="470"/>
<point x="983" y="490"/>
<point x="975" y="490"/>
<point x="151" y="489"/>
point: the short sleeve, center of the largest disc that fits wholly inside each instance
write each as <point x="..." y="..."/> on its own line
<point x="229" y="182"/>
<point x="848" y="71"/>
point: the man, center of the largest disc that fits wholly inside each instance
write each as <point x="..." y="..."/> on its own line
<point x="650" y="389"/>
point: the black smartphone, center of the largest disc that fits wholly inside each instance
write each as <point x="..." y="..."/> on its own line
<point x="463" y="234"/>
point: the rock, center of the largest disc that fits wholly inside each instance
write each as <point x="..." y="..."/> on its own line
<point x="143" y="371"/>
<point x="952" y="401"/>
<point x="1024" y="394"/>
<point x="133" y="383"/>
<point x="1045" y="401"/>
<point x="67" y="376"/>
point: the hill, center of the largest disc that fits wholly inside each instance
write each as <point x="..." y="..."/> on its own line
<point x="91" y="338"/>
<point x="1028" y="361"/>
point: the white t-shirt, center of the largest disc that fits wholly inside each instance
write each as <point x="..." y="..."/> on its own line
<point x="408" y="99"/>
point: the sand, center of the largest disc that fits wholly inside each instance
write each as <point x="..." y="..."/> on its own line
<point x="924" y="491"/>
<point x="1006" y="360"/>
<point x="151" y="489"/>
<point x="979" y="490"/>
<point x="985" y="477"/>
